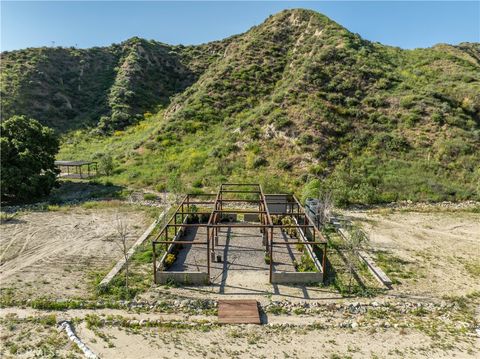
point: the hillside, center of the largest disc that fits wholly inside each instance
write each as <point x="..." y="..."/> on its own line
<point x="111" y="87"/>
<point x="298" y="103"/>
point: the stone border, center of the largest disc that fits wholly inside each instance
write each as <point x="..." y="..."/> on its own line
<point x="375" y="270"/>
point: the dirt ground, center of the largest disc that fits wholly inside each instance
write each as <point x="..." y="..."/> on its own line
<point x="439" y="251"/>
<point x="184" y="336"/>
<point x="55" y="253"/>
<point x="258" y="342"/>
<point x="431" y="256"/>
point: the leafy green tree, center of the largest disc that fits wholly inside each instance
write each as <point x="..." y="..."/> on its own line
<point x="28" y="152"/>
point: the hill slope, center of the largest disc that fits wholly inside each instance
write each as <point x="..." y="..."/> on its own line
<point x="109" y="87"/>
<point x="296" y="102"/>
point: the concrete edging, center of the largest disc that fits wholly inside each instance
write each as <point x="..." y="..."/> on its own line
<point x="195" y="278"/>
<point x="296" y="277"/>
<point x="375" y="270"/>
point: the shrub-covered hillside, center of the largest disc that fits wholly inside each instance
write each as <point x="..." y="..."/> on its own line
<point x="298" y="103"/>
<point x="110" y="87"/>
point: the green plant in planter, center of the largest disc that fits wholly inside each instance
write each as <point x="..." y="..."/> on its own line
<point x="267" y="258"/>
<point x="170" y="259"/>
<point x="305" y="265"/>
<point x="300" y="247"/>
<point x="276" y="220"/>
<point x="288" y="221"/>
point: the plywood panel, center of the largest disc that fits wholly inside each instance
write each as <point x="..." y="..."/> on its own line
<point x="241" y="311"/>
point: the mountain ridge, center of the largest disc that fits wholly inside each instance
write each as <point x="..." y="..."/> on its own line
<point x="297" y="100"/>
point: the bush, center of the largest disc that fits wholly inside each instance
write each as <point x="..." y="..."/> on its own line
<point x="106" y="164"/>
<point x="150" y="197"/>
<point x="305" y="265"/>
<point x="259" y="161"/>
<point x="284" y="165"/>
<point x="28" y="152"/>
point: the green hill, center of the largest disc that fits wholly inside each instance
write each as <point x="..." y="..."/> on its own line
<point x="298" y="103"/>
<point x="111" y="87"/>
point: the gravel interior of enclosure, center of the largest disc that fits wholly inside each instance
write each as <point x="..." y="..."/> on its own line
<point x="241" y="250"/>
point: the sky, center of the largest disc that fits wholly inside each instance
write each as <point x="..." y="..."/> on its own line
<point x="407" y="24"/>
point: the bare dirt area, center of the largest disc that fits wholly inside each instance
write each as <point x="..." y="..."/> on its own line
<point x="264" y="342"/>
<point x="114" y="334"/>
<point x="429" y="254"/>
<point x="54" y="253"/>
<point x="433" y="310"/>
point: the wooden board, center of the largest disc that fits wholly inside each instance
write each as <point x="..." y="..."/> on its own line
<point x="376" y="270"/>
<point x="241" y="311"/>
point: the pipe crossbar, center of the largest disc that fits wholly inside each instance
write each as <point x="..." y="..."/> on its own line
<point x="179" y="242"/>
<point x="238" y="191"/>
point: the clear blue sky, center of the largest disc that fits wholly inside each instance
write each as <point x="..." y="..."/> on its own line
<point x="406" y="24"/>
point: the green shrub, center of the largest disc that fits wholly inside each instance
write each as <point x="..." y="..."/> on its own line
<point x="150" y="197"/>
<point x="197" y="183"/>
<point x="259" y="161"/>
<point x="105" y="164"/>
<point x="407" y="101"/>
<point x="300" y="247"/>
<point x="306" y="264"/>
<point x="267" y="258"/>
<point x="284" y="165"/>
<point x="170" y="259"/>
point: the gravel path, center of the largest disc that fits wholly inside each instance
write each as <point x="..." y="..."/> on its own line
<point x="243" y="256"/>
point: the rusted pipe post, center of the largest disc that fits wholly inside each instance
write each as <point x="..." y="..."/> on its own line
<point x="183" y="219"/>
<point x="166" y="238"/>
<point x="271" y="257"/>
<point x="154" y="263"/>
<point x="175" y="221"/>
<point x="324" y="261"/>
<point x="212" y="234"/>
<point x="208" y="254"/>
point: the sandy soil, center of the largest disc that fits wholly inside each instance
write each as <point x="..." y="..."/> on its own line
<point x="55" y="253"/>
<point x="439" y="248"/>
<point x="52" y="252"/>
<point x="262" y="342"/>
<point x="204" y="339"/>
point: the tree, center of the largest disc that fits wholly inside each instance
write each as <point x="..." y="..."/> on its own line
<point x="355" y="242"/>
<point x="28" y="152"/>
<point x="106" y="164"/>
<point x="324" y="208"/>
<point x="120" y="240"/>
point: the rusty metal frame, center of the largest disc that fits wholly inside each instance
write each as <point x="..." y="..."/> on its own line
<point x="293" y="208"/>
